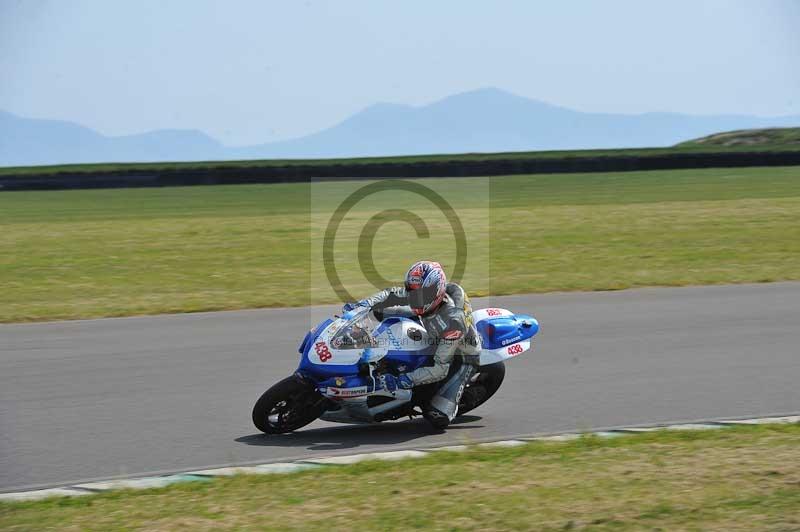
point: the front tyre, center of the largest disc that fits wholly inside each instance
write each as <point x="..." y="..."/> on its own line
<point x="287" y="406"/>
<point x="482" y="386"/>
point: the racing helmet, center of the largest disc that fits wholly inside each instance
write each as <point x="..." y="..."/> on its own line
<point x="425" y="284"/>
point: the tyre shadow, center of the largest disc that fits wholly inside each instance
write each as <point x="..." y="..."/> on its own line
<point x="344" y="437"/>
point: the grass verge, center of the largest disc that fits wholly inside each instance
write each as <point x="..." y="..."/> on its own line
<point x="742" y="478"/>
<point x="96" y="253"/>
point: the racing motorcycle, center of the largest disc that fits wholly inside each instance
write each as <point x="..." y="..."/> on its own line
<point x="342" y="358"/>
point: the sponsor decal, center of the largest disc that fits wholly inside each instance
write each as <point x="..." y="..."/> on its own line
<point x="494" y="312"/>
<point x="393" y="339"/>
<point x="512" y="340"/>
<point x="347" y="392"/>
<point x="452" y="335"/>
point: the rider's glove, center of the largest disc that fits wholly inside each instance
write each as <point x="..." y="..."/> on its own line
<point x="347" y="307"/>
<point x="391" y="383"/>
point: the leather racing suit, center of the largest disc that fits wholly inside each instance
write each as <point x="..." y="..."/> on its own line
<point x="451" y="328"/>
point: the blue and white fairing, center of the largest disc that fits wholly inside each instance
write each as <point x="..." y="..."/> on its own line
<point x="334" y="353"/>
<point x="504" y="334"/>
<point x="339" y="354"/>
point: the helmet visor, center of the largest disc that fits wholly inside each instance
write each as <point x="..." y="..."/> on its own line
<point x="421" y="297"/>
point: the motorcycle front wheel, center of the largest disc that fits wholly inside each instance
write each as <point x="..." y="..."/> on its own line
<point x="287" y="406"/>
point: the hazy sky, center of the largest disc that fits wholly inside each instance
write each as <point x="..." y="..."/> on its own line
<point x="254" y="71"/>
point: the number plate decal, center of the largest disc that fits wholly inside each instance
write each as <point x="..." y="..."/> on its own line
<point x="514" y="349"/>
<point x="322" y="352"/>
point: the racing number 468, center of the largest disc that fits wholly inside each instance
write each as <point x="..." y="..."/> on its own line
<point x="322" y="351"/>
<point x="515" y="349"/>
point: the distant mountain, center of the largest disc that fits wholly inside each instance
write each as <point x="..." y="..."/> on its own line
<point x="484" y="120"/>
<point x="25" y="141"/>
<point x="491" y="120"/>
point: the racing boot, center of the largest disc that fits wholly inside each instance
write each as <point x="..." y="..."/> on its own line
<point x="443" y="408"/>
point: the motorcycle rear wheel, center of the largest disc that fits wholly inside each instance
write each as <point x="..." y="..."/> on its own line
<point x="287" y="406"/>
<point x="482" y="387"/>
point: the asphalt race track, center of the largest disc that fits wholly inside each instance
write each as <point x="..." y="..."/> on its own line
<point x="104" y="398"/>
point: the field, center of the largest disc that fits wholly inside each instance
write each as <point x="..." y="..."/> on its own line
<point x="745" y="478"/>
<point x="92" y="253"/>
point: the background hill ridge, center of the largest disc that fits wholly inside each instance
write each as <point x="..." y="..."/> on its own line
<point x="476" y="121"/>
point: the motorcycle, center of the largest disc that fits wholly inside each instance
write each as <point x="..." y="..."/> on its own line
<point x="342" y="358"/>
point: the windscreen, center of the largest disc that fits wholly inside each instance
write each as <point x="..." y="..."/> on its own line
<point x="357" y="334"/>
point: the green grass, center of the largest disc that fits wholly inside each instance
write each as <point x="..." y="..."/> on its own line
<point x="92" y="253"/>
<point x="745" y="478"/>
<point x="787" y="137"/>
<point x="689" y="147"/>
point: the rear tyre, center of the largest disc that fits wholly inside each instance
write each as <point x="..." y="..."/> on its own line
<point x="287" y="406"/>
<point x="482" y="386"/>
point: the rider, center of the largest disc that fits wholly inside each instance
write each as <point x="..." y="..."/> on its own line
<point x="444" y="310"/>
